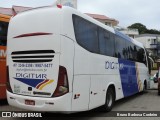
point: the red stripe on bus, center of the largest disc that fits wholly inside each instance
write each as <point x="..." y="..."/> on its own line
<point x="32" y="34"/>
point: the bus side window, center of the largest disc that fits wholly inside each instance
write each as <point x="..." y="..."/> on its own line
<point x="106" y="43"/>
<point x="86" y="34"/>
<point x="120" y="48"/>
<point x="102" y="41"/>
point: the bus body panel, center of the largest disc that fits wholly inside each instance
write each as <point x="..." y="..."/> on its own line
<point x="35" y="63"/>
<point x="81" y="82"/>
<point x="81" y="93"/>
<point x="4" y="19"/>
<point x="3" y="91"/>
<point x="89" y="74"/>
<point x="102" y="75"/>
<point x="3" y="64"/>
<point x="3" y="72"/>
<point x="96" y="76"/>
<point x="41" y="76"/>
<point x="59" y="104"/>
<point x="36" y="20"/>
<point x="67" y="58"/>
<point x="142" y="75"/>
<point x="96" y="91"/>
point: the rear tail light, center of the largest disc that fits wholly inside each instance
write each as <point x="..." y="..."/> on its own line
<point x="7" y="82"/>
<point x="59" y="6"/>
<point x="62" y="85"/>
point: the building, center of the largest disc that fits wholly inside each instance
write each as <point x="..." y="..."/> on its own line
<point x="14" y="10"/>
<point x="151" y="42"/>
<point x="104" y="19"/>
<point x="70" y="3"/>
<point x="6" y="11"/>
<point x="128" y="31"/>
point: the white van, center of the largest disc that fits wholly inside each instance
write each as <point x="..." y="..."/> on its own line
<point x="62" y="60"/>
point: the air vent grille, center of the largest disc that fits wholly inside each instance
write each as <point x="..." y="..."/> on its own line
<point x="33" y="56"/>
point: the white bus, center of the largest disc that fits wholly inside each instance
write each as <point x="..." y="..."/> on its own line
<point x="62" y="60"/>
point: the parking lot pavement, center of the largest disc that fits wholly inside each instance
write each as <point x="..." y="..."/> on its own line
<point x="149" y="101"/>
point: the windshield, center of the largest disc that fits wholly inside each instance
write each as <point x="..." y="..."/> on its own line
<point x="3" y="33"/>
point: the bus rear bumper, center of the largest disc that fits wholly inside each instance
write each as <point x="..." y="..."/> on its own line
<point x="58" y="104"/>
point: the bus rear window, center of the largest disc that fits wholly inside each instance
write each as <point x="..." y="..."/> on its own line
<point x="3" y="33"/>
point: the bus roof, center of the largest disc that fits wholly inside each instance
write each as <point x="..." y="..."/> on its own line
<point x="4" y="18"/>
<point x="71" y="11"/>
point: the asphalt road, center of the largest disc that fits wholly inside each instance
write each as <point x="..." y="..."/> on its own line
<point x="149" y="101"/>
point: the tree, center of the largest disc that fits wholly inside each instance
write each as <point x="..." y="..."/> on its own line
<point x="153" y="31"/>
<point x="141" y="28"/>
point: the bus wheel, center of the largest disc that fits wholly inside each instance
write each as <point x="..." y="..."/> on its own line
<point x="158" y="92"/>
<point x="110" y="99"/>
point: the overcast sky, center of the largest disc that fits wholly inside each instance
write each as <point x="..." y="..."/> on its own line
<point x="126" y="12"/>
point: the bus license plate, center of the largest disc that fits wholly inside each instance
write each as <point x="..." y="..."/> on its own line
<point x="30" y="102"/>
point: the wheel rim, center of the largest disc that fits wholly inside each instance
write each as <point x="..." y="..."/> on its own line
<point x="109" y="99"/>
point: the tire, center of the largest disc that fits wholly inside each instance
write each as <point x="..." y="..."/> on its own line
<point x="110" y="99"/>
<point x="158" y="92"/>
<point x="145" y="87"/>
